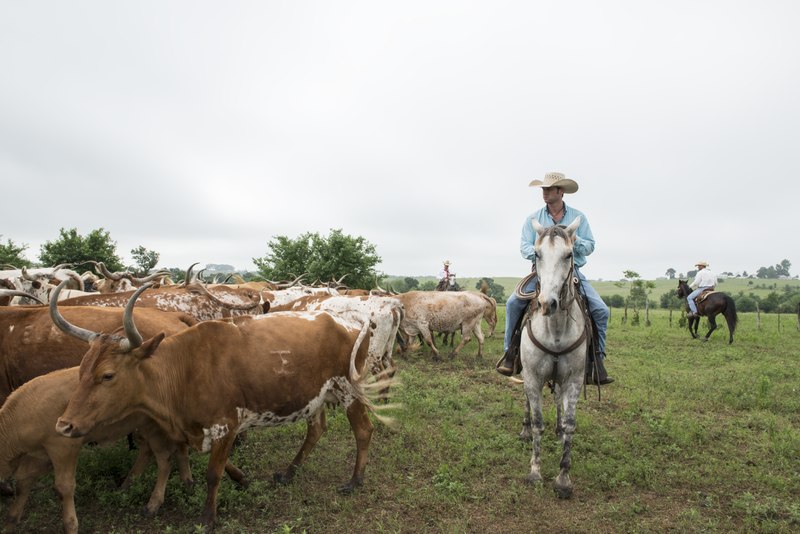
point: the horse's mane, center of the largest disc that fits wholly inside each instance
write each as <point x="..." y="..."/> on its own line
<point x="558" y="230"/>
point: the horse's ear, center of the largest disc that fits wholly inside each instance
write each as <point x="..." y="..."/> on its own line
<point x="573" y="227"/>
<point x="538" y="228"/>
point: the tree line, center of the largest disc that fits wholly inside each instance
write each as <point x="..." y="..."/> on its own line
<point x="783" y="300"/>
<point x="320" y="258"/>
<point x="779" y="270"/>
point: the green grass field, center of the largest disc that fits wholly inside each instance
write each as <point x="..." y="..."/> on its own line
<point x="692" y="437"/>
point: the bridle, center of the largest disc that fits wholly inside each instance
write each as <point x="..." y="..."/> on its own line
<point x="566" y="297"/>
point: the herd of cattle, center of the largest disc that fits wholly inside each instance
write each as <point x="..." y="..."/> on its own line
<point x="192" y="365"/>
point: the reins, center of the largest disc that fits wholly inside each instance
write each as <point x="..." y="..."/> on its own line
<point x="566" y="297"/>
<point x="568" y="290"/>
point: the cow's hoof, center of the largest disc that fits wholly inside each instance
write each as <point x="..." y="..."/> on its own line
<point x="281" y="478"/>
<point x="533" y="479"/>
<point x="563" y="492"/>
<point x="349" y="488"/>
<point x="6" y="490"/>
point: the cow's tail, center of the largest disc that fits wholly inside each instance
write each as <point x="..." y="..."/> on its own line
<point x="374" y="394"/>
<point x="372" y="388"/>
<point x="354" y="374"/>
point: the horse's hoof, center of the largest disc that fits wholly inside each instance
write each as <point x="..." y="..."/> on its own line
<point x="533" y="479"/>
<point x="705" y="339"/>
<point x="563" y="492"/>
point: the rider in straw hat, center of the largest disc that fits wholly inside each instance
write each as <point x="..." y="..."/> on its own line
<point x="704" y="279"/>
<point x="444" y="276"/>
<point x="555" y="211"/>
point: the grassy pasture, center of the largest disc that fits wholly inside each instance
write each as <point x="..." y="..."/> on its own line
<point x="692" y="437"/>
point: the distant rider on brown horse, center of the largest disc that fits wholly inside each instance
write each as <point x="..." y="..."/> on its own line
<point x="703" y="280"/>
<point x="444" y="276"/>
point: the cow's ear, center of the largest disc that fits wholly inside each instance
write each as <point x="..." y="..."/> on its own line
<point x="149" y="347"/>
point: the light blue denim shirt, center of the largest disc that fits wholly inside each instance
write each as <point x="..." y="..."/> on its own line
<point x="584" y="245"/>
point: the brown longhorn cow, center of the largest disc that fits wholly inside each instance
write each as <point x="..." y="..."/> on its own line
<point x="32" y="447"/>
<point x="30" y="345"/>
<point x="201" y="302"/>
<point x="220" y="378"/>
<point x="384" y="315"/>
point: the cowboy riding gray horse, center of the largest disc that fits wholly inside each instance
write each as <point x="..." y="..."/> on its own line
<point x="555" y="339"/>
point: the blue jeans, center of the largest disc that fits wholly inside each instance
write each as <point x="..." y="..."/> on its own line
<point x="693" y="295"/>
<point x="600" y="312"/>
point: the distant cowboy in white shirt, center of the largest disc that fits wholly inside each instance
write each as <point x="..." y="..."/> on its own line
<point x="704" y="279"/>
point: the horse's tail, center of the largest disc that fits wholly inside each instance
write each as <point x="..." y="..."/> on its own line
<point x="730" y="316"/>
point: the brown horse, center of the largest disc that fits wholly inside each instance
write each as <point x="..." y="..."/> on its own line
<point x="715" y="304"/>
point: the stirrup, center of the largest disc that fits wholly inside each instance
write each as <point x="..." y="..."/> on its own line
<point x="502" y="366"/>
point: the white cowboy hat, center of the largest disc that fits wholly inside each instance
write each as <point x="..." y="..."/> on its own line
<point x="446" y="262"/>
<point x="703" y="263"/>
<point x="556" y="179"/>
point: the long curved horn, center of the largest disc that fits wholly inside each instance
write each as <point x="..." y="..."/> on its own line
<point x="69" y="329"/>
<point x="62" y="266"/>
<point x="72" y="274"/>
<point x="133" y="338"/>
<point x="8" y="267"/>
<point x="105" y="272"/>
<point x="18" y="293"/>
<point x="26" y="276"/>
<point x="287" y="285"/>
<point x="188" y="278"/>
<point x="225" y="305"/>
<point x="150" y="277"/>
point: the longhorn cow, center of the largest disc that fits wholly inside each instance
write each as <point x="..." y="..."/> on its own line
<point x="219" y="378"/>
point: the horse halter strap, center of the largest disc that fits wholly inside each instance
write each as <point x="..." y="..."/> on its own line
<point x="581" y="339"/>
<point x="567" y="290"/>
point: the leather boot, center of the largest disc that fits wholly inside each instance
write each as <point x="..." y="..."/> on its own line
<point x="507" y="364"/>
<point x="601" y="373"/>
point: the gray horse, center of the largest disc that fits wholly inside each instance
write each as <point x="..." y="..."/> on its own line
<point x="554" y="343"/>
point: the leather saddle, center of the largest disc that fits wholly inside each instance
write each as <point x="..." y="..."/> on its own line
<point x="705" y="294"/>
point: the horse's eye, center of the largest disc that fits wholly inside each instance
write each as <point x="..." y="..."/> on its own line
<point x="108" y="376"/>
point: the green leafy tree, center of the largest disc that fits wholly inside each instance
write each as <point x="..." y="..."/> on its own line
<point x="494" y="290"/>
<point x="144" y="260"/>
<point x="428" y="285"/>
<point x="323" y="258"/>
<point x="71" y="247"/>
<point x="614" y="301"/>
<point x="670" y="273"/>
<point x="11" y="254"/>
<point x="411" y="283"/>
<point x="671" y="301"/>
<point x="639" y="290"/>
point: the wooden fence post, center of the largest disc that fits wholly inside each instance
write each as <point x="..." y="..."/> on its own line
<point x="758" y="317"/>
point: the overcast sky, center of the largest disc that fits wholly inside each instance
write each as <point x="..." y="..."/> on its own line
<point x="201" y="130"/>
